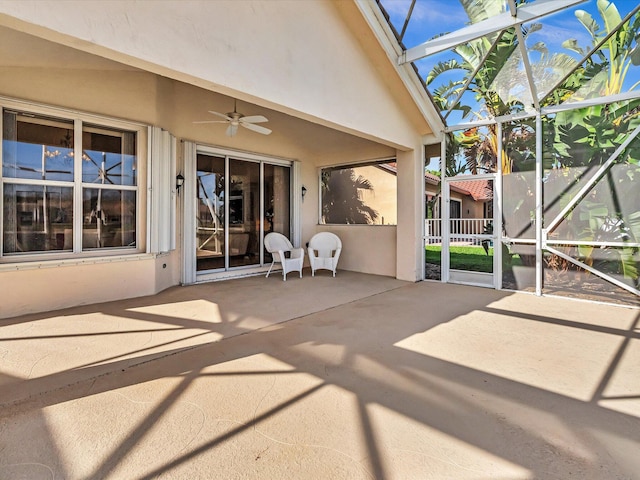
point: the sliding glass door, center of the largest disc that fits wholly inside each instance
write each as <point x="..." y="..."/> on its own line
<point x="238" y="202"/>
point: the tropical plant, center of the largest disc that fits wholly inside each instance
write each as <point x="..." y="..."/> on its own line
<point x="342" y="200"/>
<point x="584" y="140"/>
<point x="478" y="146"/>
<point x="578" y="141"/>
<point x="606" y="69"/>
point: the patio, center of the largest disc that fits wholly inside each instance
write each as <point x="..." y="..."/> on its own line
<point x="357" y="376"/>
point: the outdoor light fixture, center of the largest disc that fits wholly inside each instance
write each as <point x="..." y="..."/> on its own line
<point x="304" y="191"/>
<point x="179" y="182"/>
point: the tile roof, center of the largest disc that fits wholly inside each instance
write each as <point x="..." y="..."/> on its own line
<point x="477" y="189"/>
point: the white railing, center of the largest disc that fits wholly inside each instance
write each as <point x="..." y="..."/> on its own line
<point x="461" y="229"/>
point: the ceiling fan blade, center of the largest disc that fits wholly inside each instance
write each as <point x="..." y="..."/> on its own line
<point x="212" y="121"/>
<point x="256" y="128"/>
<point x="231" y="130"/>
<point x="254" y="119"/>
<point x="221" y="115"/>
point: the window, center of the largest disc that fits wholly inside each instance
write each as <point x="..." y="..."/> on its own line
<point x="455" y="208"/>
<point x="360" y="194"/>
<point x="68" y="186"/>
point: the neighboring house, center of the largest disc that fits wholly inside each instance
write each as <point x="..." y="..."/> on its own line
<point x="111" y="187"/>
<point x="473" y="199"/>
<point x="468" y="198"/>
<point x="367" y="194"/>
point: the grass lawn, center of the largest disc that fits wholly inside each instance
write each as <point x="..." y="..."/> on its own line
<point x="472" y="258"/>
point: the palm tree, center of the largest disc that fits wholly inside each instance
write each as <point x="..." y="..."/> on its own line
<point x="490" y="65"/>
<point x="341" y="198"/>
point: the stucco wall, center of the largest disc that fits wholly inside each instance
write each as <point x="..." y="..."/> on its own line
<point x="410" y="243"/>
<point x="143" y="97"/>
<point x="121" y="94"/>
<point x="471" y="208"/>
<point x="54" y="287"/>
<point x="366" y="248"/>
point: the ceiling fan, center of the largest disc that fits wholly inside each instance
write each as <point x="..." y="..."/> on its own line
<point x="234" y="119"/>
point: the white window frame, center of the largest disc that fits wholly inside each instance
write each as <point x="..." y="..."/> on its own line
<point x="54" y="258"/>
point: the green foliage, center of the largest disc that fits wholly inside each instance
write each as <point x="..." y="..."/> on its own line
<point x="471" y="258"/>
<point x="605" y="71"/>
<point x="589" y="136"/>
<point x="341" y="199"/>
<point x="599" y="224"/>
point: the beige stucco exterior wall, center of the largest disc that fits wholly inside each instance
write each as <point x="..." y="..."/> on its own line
<point x="149" y="99"/>
<point x="54" y="287"/>
<point x="367" y="249"/>
<point x="471" y="208"/>
<point x="128" y="95"/>
<point x="410" y="241"/>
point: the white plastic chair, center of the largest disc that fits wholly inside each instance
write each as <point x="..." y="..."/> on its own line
<point x="324" y="251"/>
<point x="277" y="245"/>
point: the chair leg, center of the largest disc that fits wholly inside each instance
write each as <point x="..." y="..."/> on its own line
<point x="270" y="267"/>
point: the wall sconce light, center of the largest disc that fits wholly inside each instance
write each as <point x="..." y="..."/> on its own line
<point x="304" y="191"/>
<point x="179" y="182"/>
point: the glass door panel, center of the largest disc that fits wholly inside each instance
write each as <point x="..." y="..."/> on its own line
<point x="244" y="213"/>
<point x="277" y="208"/>
<point x="210" y="228"/>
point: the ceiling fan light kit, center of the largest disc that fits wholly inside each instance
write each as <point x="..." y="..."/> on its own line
<point x="235" y="119"/>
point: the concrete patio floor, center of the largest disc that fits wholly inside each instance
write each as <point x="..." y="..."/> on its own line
<point x="353" y="377"/>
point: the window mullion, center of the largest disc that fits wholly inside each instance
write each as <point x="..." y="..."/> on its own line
<point x="2" y="184"/>
<point x="262" y="211"/>
<point x="77" y="188"/>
